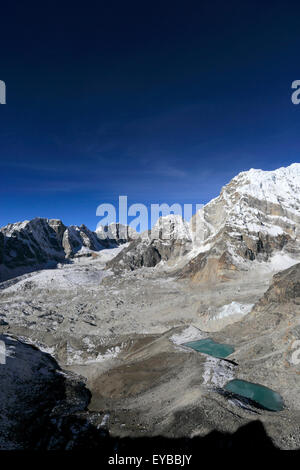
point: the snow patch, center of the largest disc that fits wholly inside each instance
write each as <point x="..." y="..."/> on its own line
<point x="234" y="308"/>
<point x="104" y="421"/>
<point x="281" y="261"/>
<point x="109" y="354"/>
<point x="75" y="356"/>
<point x="191" y="333"/>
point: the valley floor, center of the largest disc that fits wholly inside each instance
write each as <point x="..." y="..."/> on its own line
<point x="123" y="334"/>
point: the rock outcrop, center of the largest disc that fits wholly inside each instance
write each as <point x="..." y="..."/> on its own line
<point x="256" y="215"/>
<point x="30" y="244"/>
<point x="168" y="240"/>
<point x="285" y="287"/>
<point x="81" y="238"/>
<point x="39" y="243"/>
<point x="116" y="232"/>
<point x="41" y="406"/>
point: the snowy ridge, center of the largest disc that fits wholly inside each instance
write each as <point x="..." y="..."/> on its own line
<point x="281" y="186"/>
<point x="253" y="209"/>
<point x="36" y="233"/>
<point x="256" y="215"/>
<point x="256" y="200"/>
<point x="31" y="245"/>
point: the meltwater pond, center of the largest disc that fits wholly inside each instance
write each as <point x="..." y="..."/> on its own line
<point x="260" y="394"/>
<point x="209" y="346"/>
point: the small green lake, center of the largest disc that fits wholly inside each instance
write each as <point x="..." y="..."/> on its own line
<point x="260" y="394"/>
<point x="209" y="346"/>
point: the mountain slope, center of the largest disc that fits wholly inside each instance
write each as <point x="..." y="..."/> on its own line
<point x="255" y="216"/>
<point x="39" y="243"/>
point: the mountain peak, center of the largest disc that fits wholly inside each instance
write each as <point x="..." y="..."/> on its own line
<point x="38" y="243"/>
<point x="256" y="215"/>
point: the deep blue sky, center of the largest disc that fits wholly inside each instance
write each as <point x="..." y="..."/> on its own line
<point x="163" y="101"/>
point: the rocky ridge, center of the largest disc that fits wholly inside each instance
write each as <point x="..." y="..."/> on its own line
<point x="31" y="245"/>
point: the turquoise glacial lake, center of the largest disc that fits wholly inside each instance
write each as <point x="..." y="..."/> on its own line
<point x="209" y="346"/>
<point x="264" y="396"/>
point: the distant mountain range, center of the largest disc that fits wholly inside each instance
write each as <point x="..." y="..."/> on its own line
<point x="31" y="245"/>
<point x="256" y="215"/>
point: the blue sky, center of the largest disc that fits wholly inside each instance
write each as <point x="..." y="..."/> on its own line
<point x="161" y="101"/>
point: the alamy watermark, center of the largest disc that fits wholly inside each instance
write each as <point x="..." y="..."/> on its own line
<point x="296" y="94"/>
<point x="166" y="221"/>
<point x="2" y="353"/>
<point x="2" y="92"/>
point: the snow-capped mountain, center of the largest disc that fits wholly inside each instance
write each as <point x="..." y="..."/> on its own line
<point x="256" y="201"/>
<point x="80" y="239"/>
<point x="30" y="245"/>
<point x="256" y="215"/>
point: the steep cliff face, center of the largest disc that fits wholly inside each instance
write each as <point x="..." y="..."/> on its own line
<point x="38" y="243"/>
<point x="32" y="243"/>
<point x="255" y="216"/>
<point x="80" y="238"/>
<point x="116" y="232"/>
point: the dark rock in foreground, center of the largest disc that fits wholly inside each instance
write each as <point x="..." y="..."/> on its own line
<point x="41" y="407"/>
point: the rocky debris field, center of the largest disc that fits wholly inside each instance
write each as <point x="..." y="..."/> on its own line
<point x="81" y="312"/>
<point x="124" y="335"/>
